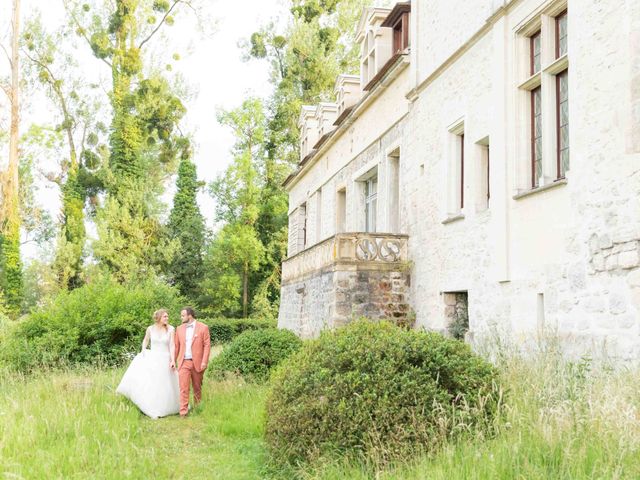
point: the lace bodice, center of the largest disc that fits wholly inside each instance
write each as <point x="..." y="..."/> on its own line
<point x="160" y="339"/>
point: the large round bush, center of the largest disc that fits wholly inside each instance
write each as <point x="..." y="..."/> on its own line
<point x="99" y="322"/>
<point x="373" y="388"/>
<point x="254" y="353"/>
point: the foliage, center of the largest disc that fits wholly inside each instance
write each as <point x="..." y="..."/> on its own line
<point x="76" y="111"/>
<point x="186" y="225"/>
<point x="11" y="280"/>
<point x="98" y="322"/>
<point x="234" y="253"/>
<point x="237" y="251"/>
<point x="224" y="330"/>
<point x="305" y="59"/>
<point x="379" y="390"/>
<point x="144" y="140"/>
<point x="132" y="243"/>
<point x="40" y="284"/>
<point x="253" y="354"/>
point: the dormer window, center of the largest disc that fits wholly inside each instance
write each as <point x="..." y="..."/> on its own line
<point x="401" y="34"/>
<point x="398" y="20"/>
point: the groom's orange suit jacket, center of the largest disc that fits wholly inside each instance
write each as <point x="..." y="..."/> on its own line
<point x="200" y="346"/>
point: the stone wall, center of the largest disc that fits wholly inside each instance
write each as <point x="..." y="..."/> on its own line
<point x="333" y="297"/>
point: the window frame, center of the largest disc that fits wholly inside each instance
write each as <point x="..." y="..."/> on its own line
<point x="461" y="171"/>
<point x="371" y="200"/>
<point x="532" y="64"/>
<point x="558" y="104"/>
<point x="557" y="19"/>
<point x="535" y="181"/>
<point x="401" y="33"/>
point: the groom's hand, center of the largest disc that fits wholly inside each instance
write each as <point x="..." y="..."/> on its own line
<point x="203" y="367"/>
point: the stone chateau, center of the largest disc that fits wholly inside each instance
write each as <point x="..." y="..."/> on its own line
<point x="479" y="177"/>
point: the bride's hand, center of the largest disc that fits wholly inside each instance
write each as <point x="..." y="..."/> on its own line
<point x="172" y="365"/>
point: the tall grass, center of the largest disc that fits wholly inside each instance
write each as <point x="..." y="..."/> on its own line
<point x="561" y="421"/>
<point x="72" y="425"/>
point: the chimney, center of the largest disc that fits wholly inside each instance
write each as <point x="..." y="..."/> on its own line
<point x="347" y="92"/>
<point x="308" y="130"/>
<point x="376" y="42"/>
<point x="326" y="114"/>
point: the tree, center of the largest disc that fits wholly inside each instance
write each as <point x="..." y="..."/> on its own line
<point x="78" y="114"/>
<point x="186" y="225"/>
<point x="144" y="138"/>
<point x="237" y="195"/>
<point x="305" y="59"/>
<point x="10" y="261"/>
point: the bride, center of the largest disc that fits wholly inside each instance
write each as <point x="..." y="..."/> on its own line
<point x="151" y="381"/>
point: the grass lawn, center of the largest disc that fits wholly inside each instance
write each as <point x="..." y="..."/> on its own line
<point x="559" y="424"/>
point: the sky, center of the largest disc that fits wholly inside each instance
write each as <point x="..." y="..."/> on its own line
<point x="211" y="64"/>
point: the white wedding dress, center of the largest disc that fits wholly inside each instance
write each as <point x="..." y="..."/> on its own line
<point x="149" y="382"/>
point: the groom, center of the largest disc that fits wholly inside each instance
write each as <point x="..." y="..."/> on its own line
<point x="193" y="345"/>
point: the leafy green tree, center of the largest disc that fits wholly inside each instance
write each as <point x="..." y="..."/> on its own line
<point x="238" y="193"/>
<point x="76" y="110"/>
<point x="186" y="225"/>
<point x="132" y="243"/>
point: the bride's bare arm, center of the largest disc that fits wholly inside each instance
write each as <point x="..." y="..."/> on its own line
<point x="145" y="342"/>
<point x="172" y="348"/>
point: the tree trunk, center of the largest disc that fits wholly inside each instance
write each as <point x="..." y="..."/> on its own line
<point x="10" y="218"/>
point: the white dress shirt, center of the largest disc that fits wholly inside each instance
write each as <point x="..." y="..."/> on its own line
<point x="191" y="328"/>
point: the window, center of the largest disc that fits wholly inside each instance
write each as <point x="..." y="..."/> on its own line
<point x="371" y="203"/>
<point x="303" y="223"/>
<point x="393" y="192"/>
<point x="536" y="136"/>
<point x="401" y="33"/>
<point x="536" y="52"/>
<point x="562" y="122"/>
<point x="341" y="211"/>
<point x="461" y="170"/>
<point x="483" y="176"/>
<point x="318" y="216"/>
<point x="561" y="34"/>
<point x="456" y="167"/>
<point x="544" y="64"/>
<point x="562" y="98"/>
<point x="488" y="177"/>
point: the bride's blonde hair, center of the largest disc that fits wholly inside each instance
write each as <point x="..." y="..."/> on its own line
<point x="157" y="315"/>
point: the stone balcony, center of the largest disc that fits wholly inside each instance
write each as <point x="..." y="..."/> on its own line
<point x="343" y="277"/>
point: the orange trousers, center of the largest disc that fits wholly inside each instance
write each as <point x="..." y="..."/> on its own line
<point x="186" y="374"/>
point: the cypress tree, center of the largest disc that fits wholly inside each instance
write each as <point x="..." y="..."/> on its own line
<point x="186" y="224"/>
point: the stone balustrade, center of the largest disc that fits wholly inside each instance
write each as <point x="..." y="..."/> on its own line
<point x="361" y="250"/>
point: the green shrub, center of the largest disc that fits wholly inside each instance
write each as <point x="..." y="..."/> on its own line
<point x="223" y="330"/>
<point x="374" y="389"/>
<point x="99" y="322"/>
<point x="254" y="353"/>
